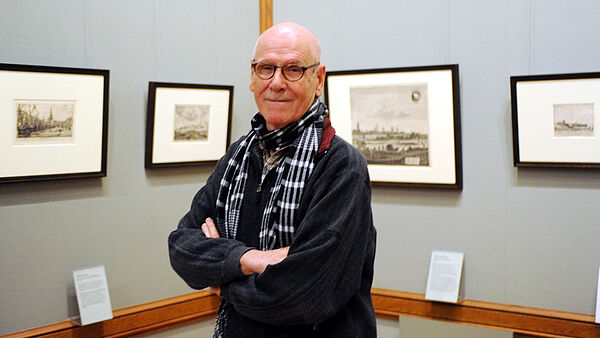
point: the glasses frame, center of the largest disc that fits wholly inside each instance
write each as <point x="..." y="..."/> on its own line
<point x="304" y="69"/>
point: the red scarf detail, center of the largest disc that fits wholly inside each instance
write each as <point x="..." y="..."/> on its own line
<point x="328" y="133"/>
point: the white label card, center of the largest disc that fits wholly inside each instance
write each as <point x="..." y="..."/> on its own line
<point x="93" y="299"/>
<point x="445" y="270"/>
<point x="598" y="300"/>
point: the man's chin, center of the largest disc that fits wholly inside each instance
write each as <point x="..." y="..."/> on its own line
<point x="274" y="119"/>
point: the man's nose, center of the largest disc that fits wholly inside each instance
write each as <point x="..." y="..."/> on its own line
<point x="278" y="80"/>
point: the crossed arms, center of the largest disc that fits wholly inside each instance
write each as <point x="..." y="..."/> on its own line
<point x="306" y="283"/>
<point x="252" y="261"/>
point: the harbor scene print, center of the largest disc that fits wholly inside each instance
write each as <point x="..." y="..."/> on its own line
<point x="390" y="123"/>
<point x="574" y="119"/>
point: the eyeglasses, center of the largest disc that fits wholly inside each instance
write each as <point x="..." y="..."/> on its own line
<point x="291" y="72"/>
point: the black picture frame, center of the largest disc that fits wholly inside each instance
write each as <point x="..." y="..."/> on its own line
<point x="54" y="122"/>
<point x="405" y="121"/>
<point x="187" y="124"/>
<point x="555" y="120"/>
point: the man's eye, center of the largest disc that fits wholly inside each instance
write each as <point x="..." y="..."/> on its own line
<point x="293" y="69"/>
<point x="265" y="68"/>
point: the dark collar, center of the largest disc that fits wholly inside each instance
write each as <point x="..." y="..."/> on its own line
<point x="328" y="134"/>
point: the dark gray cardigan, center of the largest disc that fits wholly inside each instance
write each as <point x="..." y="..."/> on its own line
<point x="322" y="289"/>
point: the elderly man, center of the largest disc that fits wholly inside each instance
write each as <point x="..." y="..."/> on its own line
<point x="283" y="229"/>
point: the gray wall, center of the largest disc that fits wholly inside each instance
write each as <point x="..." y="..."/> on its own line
<point x="48" y="229"/>
<point x="530" y="237"/>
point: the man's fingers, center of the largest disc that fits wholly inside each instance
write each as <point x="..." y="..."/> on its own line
<point x="209" y="229"/>
<point x="212" y="228"/>
<point x="208" y="232"/>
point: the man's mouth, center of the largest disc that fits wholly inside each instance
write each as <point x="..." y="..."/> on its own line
<point x="275" y="98"/>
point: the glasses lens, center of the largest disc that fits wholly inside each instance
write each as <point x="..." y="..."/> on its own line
<point x="264" y="70"/>
<point x="292" y="72"/>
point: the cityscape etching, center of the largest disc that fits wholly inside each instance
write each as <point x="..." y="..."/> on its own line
<point x="53" y="122"/>
<point x="44" y="119"/>
<point x="404" y="121"/>
<point x="574" y="119"/>
<point x="187" y="123"/>
<point x="554" y="120"/>
<point x="391" y="123"/>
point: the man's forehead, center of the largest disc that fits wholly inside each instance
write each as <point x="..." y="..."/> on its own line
<point x="282" y="55"/>
<point x="287" y="41"/>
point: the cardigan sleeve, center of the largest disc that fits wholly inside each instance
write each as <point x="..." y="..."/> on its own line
<point x="198" y="260"/>
<point x="333" y="247"/>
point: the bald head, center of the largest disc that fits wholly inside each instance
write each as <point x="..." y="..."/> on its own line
<point x="279" y="100"/>
<point x="296" y="35"/>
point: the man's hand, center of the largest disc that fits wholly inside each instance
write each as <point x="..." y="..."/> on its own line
<point x="253" y="261"/>
<point x="210" y="231"/>
<point x="256" y="261"/>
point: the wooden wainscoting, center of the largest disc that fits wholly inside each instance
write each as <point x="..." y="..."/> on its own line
<point x="519" y="319"/>
<point x="151" y="317"/>
<point x="202" y="305"/>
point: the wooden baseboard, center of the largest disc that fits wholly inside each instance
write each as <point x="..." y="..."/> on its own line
<point x="202" y="305"/>
<point x="150" y="317"/>
<point x="522" y="320"/>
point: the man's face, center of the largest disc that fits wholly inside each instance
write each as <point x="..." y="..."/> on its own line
<point x="278" y="100"/>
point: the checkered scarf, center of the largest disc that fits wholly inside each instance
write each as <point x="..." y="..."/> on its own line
<point x="279" y="216"/>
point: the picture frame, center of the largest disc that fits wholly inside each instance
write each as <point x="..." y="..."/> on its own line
<point x="53" y="122"/>
<point x="555" y="120"/>
<point x="405" y="121"/>
<point x="187" y="124"/>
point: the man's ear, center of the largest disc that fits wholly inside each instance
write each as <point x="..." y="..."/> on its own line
<point x="251" y="85"/>
<point x="320" y="80"/>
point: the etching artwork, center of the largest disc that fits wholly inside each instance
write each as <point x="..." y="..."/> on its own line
<point x="390" y="124"/>
<point x="575" y="119"/>
<point x="191" y="122"/>
<point x="40" y="121"/>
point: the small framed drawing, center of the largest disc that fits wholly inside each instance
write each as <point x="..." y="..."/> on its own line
<point x="405" y="121"/>
<point x="554" y="120"/>
<point x="187" y="124"/>
<point x="53" y="122"/>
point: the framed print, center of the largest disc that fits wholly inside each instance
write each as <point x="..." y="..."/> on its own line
<point x="187" y="124"/>
<point x="53" y="122"/>
<point x="554" y="120"/>
<point x="405" y="121"/>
